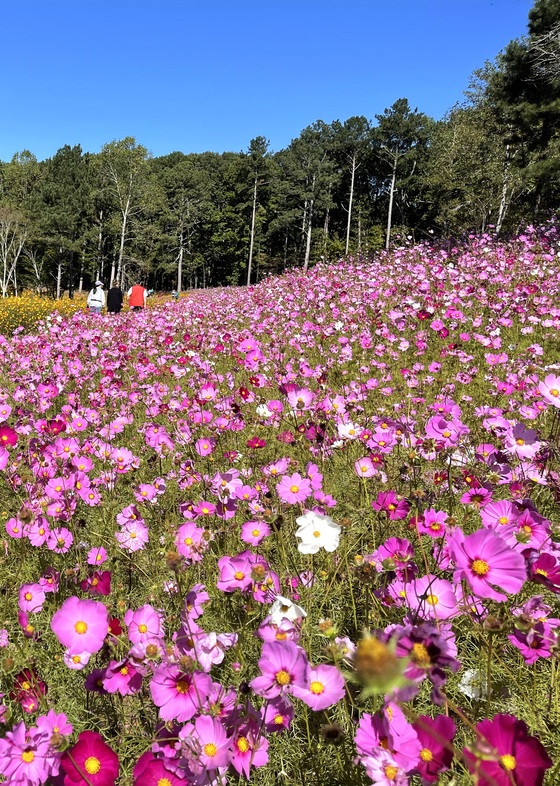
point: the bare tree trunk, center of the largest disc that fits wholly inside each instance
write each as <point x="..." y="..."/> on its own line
<point x="350" y="203"/>
<point x="81" y="284"/>
<point x="503" y="201"/>
<point x="59" y="275"/>
<point x="123" y="235"/>
<point x="252" y="233"/>
<point x="309" y="229"/>
<point x="359" y="231"/>
<point x="203" y="276"/>
<point x="391" y="197"/>
<point x="100" y="247"/>
<point x="112" y="268"/>
<point x="285" y="249"/>
<point x="180" y="264"/>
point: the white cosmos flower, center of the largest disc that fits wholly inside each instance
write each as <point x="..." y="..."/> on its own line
<point x="263" y="411"/>
<point x="317" y="532"/>
<point x="282" y="608"/>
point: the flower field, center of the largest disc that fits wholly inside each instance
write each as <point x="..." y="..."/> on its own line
<point x="305" y="532"/>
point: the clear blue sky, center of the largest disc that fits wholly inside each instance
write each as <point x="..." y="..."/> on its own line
<point x="197" y="75"/>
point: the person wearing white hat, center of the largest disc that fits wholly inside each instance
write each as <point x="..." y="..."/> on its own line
<point x="96" y="298"/>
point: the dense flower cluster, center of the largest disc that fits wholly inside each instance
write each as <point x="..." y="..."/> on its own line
<point x="207" y="503"/>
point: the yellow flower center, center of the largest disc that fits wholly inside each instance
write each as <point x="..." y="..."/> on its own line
<point x="294" y="489"/>
<point x="555" y="393"/>
<point x="27" y="756"/>
<point x="281" y="636"/>
<point x="480" y="567"/>
<point x="124" y="671"/>
<point x="25" y="685"/>
<point x="508" y="761"/>
<point x="278" y="720"/>
<point x="188" y="541"/>
<point x="164" y="782"/>
<point x="391" y="772"/>
<point x="92" y="765"/>
<point x="426" y="754"/>
<point x="420" y="655"/>
<point x="210" y="749"/>
<point x="283" y="678"/>
<point x="446" y="434"/>
<point x="28" y="596"/>
<point x="255" y="533"/>
<point x="317" y="688"/>
<point x="243" y="744"/>
<point x="433" y="600"/>
<point x="80" y="627"/>
<point x="76" y="659"/>
<point x="503" y="520"/>
<point x="142" y="628"/>
<point x="520" y="441"/>
<point x="316" y="534"/>
<point x="238" y="575"/>
<point x="182" y="686"/>
<point x="542" y="572"/>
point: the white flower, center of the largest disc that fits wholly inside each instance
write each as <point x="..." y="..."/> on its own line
<point x="473" y="684"/>
<point x="263" y="411"/>
<point x="317" y="532"/>
<point x="282" y="608"/>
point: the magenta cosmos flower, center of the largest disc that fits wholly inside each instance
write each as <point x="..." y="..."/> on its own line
<point x="179" y="696"/>
<point x="395" y="508"/>
<point x="484" y="560"/>
<point x="283" y="665"/>
<point x="436" y="738"/>
<point x="31" y="597"/>
<point x="212" y="744"/>
<point x="325" y="688"/>
<point x="92" y="758"/>
<point x="81" y="625"/>
<point x="150" y="771"/>
<point x="518" y="758"/>
<point x="294" y="488"/>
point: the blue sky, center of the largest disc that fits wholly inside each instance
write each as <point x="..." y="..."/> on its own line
<point x="197" y="75"/>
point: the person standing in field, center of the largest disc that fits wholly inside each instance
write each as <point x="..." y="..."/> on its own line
<point x="96" y="298"/>
<point x="137" y="297"/>
<point x="114" y="298"/>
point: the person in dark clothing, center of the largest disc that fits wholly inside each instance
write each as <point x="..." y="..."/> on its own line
<point x="114" y="298"/>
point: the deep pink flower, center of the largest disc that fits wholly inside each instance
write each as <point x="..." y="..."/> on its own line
<point x="31" y="597"/>
<point x="81" y="625"/>
<point x="388" y="501"/>
<point x="249" y="747"/>
<point x="484" y="560"/>
<point x="436" y="739"/>
<point x="150" y="771"/>
<point x="517" y="757"/>
<point x="7" y="436"/>
<point x="432" y="598"/>
<point x="93" y="758"/>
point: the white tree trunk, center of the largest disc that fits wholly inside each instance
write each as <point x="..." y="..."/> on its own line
<point x="308" y="240"/>
<point x="350" y="203"/>
<point x="59" y="276"/>
<point x="180" y="264"/>
<point x="503" y="201"/>
<point x="252" y="233"/>
<point x="390" y="215"/>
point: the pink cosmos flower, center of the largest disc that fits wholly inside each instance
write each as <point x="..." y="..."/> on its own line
<point x="278" y="715"/>
<point x="204" y="446"/>
<point x="97" y="556"/>
<point x="93" y="758"/>
<point x="432" y="598"/>
<point x="213" y="744"/>
<point x="24" y="756"/>
<point x="484" y="560"/>
<point x="144" y="624"/>
<point x="195" y="600"/>
<point x="190" y="542"/>
<point x="388" y="501"/>
<point x="432" y="523"/>
<point x="499" y="514"/>
<point x="293" y="489"/>
<point x="81" y="625"/>
<point x="150" y="771"/>
<point x="7" y="436"/>
<point x="325" y="687"/>
<point x="249" y="747"/>
<point x="179" y="696"/>
<point x="60" y="539"/>
<point x="254" y="531"/>
<point x="436" y="739"/>
<point x="235" y="573"/>
<point x="283" y="665"/>
<point x="522" y="442"/>
<point x="122" y="677"/>
<point x="31" y="597"/>
<point x="133" y="536"/>
<point x="515" y="756"/>
<point x="365" y="468"/>
<point x="550" y="390"/>
<point x="536" y="643"/>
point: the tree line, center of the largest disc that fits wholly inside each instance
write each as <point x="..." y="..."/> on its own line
<point x="196" y="220"/>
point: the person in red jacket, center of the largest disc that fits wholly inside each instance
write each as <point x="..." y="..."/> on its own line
<point x="137" y="297"/>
